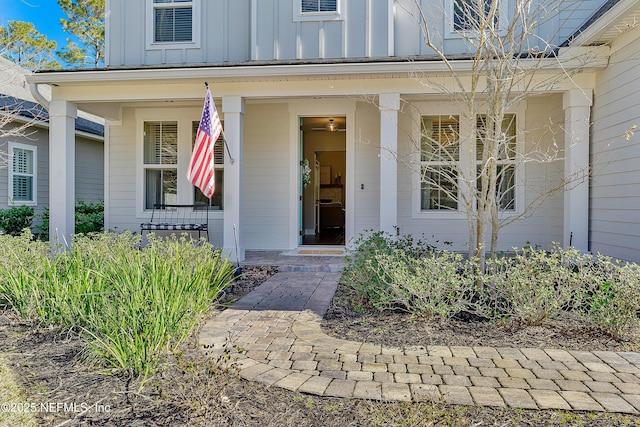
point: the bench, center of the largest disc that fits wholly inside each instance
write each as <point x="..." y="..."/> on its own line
<point x="172" y="217"/>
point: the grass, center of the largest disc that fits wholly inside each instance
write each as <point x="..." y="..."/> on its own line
<point x="11" y="394"/>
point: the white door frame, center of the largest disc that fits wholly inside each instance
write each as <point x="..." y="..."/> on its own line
<point x="318" y="108"/>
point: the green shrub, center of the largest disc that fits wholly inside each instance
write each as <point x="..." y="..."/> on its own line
<point x="528" y="288"/>
<point x="440" y="284"/>
<point x="611" y="296"/>
<point x="130" y="304"/>
<point x="89" y="218"/>
<point x="534" y="285"/>
<point x="362" y="268"/>
<point x="15" y="219"/>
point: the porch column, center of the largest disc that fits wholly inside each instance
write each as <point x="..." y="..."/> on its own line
<point x="233" y="243"/>
<point x="389" y="105"/>
<point x="62" y="171"/>
<point x="577" y="112"/>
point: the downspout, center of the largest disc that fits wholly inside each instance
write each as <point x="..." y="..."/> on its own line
<point x="33" y="87"/>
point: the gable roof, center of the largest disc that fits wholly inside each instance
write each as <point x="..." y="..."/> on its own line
<point x="612" y="19"/>
<point x="16" y="98"/>
<point x="33" y="110"/>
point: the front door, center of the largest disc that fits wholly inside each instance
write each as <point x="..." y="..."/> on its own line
<point x="323" y="195"/>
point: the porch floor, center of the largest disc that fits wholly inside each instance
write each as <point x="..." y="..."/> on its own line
<point x="314" y="259"/>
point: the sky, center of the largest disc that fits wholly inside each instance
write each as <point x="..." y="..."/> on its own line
<point x="44" y="14"/>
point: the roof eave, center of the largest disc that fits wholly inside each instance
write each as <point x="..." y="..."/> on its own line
<point x="594" y="32"/>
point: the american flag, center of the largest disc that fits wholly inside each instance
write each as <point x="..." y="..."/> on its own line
<point x="201" y="166"/>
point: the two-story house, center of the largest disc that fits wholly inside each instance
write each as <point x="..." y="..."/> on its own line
<point x="351" y="87"/>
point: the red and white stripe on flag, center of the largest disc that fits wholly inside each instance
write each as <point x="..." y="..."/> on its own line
<point x="201" y="167"/>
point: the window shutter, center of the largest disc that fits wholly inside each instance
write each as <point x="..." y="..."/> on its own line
<point x="319" y="6"/>
<point x="173" y="24"/>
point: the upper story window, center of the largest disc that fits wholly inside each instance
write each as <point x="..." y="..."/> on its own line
<point x="316" y="10"/>
<point x="469" y="16"/>
<point x="22" y="174"/>
<point x="171" y="22"/>
<point x="309" y="6"/>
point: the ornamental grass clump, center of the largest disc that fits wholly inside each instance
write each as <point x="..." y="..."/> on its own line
<point x="129" y="304"/>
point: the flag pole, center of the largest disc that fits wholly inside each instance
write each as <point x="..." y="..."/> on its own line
<point x="224" y="138"/>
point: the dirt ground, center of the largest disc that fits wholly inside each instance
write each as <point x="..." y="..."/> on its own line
<point x="191" y="390"/>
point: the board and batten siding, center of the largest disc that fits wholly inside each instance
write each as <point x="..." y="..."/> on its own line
<point x="236" y="31"/>
<point x="615" y="184"/>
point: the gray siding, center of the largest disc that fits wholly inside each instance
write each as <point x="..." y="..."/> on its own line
<point x="271" y="30"/>
<point x="615" y="190"/>
<point x="89" y="168"/>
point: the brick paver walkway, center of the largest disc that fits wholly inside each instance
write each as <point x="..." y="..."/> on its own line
<point x="277" y="328"/>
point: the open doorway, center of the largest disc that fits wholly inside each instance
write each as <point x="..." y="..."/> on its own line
<point x="323" y="146"/>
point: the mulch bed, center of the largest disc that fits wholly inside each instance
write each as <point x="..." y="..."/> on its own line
<point x="191" y="390"/>
<point x="403" y="329"/>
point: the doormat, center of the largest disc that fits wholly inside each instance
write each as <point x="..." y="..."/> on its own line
<point x="320" y="252"/>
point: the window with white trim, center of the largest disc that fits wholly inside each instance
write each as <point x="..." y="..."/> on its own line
<point x="216" y="202"/>
<point x="173" y="21"/>
<point x="506" y="165"/>
<point x="439" y="158"/>
<point x="160" y="163"/>
<point x="311" y="6"/>
<point x="23" y="174"/>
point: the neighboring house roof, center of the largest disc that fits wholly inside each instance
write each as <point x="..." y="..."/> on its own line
<point x="16" y="98"/>
<point x="33" y="110"/>
<point x="612" y="19"/>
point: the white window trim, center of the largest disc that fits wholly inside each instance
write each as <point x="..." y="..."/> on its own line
<point x="184" y="117"/>
<point x="450" y="33"/>
<point x="424" y="109"/>
<point x="432" y="110"/>
<point x="196" y="15"/>
<point x="298" y="15"/>
<point x="33" y="149"/>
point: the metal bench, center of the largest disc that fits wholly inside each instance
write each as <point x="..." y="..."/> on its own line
<point x="183" y="218"/>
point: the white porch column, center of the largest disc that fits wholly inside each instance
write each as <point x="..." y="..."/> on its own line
<point x="389" y="105"/>
<point x="233" y="245"/>
<point x="577" y="113"/>
<point x="62" y="171"/>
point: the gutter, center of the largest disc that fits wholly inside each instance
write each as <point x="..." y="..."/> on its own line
<point x="35" y="91"/>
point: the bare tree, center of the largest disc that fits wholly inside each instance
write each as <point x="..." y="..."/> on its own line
<point x="508" y="61"/>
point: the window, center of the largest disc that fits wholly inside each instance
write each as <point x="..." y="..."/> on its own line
<point x="160" y="163"/>
<point x="468" y="15"/>
<point x="505" y="138"/>
<point x="439" y="157"/>
<point x="173" y="21"/>
<point x="22" y="174"/>
<point x="310" y="6"/>
<point x="216" y="201"/>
